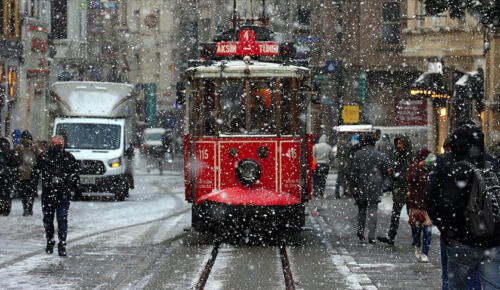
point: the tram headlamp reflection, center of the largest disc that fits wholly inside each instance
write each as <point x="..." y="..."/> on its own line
<point x="248" y="171"/>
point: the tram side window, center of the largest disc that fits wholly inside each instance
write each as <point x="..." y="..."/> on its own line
<point x="233" y="113"/>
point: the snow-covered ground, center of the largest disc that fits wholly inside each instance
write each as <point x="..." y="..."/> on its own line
<point x="23" y="238"/>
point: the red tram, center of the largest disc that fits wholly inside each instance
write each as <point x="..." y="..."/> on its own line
<point x="248" y="146"/>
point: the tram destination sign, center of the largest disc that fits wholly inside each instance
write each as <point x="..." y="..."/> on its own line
<point x="247" y="46"/>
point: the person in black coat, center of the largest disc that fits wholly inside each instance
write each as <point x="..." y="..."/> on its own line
<point x="370" y="167"/>
<point x="8" y="164"/>
<point x="445" y="198"/>
<point x="60" y="179"/>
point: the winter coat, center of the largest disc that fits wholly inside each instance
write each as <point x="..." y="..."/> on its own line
<point x="401" y="162"/>
<point x="8" y="164"/>
<point x="416" y="176"/>
<point x="444" y="198"/>
<point x="369" y="171"/>
<point x="323" y="152"/>
<point x="59" y="170"/>
<point x="27" y="153"/>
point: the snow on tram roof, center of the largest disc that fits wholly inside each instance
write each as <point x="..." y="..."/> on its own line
<point x="239" y="68"/>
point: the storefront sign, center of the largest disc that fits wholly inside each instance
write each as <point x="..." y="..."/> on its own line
<point x="38" y="45"/>
<point x="411" y="112"/>
<point x="247" y="46"/>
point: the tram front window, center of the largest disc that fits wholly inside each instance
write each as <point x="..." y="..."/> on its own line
<point x="233" y="111"/>
<point x="262" y="114"/>
<point x="235" y="103"/>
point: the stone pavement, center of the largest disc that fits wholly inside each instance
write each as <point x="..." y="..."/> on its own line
<point x="386" y="267"/>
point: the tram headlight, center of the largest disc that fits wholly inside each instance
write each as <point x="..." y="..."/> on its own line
<point x="248" y="171"/>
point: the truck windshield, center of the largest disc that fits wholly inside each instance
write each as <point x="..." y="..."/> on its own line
<point x="90" y="136"/>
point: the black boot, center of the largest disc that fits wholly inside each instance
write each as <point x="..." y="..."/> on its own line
<point x="61" y="247"/>
<point x="386" y="240"/>
<point x="49" y="249"/>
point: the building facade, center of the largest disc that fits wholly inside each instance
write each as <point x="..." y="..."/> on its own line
<point x="359" y="64"/>
<point x="457" y="47"/>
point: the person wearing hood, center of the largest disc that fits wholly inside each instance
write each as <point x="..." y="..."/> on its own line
<point x="60" y="179"/>
<point x="445" y="198"/>
<point x="403" y="157"/>
<point x="323" y="154"/>
<point x="7" y="175"/>
<point x="27" y="181"/>
<point x="419" y="220"/>
<point x="370" y="167"/>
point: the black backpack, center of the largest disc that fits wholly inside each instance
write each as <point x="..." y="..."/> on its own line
<point x="482" y="211"/>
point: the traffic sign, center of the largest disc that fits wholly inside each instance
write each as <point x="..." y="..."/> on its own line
<point x="330" y="66"/>
<point x="350" y="114"/>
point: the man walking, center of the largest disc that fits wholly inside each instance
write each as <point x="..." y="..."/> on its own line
<point x="403" y="157"/>
<point x="369" y="169"/>
<point x="446" y="196"/>
<point x="27" y="181"/>
<point x="324" y="155"/>
<point x="60" y="179"/>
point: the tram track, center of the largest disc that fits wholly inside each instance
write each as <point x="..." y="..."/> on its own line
<point x="283" y="256"/>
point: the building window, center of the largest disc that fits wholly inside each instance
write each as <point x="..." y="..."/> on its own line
<point x="9" y="13"/>
<point x="59" y="19"/>
<point x="390" y="26"/>
<point x="304" y="16"/>
<point x="31" y="9"/>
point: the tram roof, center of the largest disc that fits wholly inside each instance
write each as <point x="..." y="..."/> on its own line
<point x="241" y="69"/>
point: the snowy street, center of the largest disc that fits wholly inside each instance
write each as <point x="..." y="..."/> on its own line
<point x="141" y="244"/>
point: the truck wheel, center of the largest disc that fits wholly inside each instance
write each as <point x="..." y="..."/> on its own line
<point x="122" y="192"/>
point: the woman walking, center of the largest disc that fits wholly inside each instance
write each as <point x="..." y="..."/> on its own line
<point x="420" y="223"/>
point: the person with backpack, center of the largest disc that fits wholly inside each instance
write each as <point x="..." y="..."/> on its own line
<point x="60" y="178"/>
<point x="462" y="197"/>
<point x="27" y="181"/>
<point x="7" y="175"/>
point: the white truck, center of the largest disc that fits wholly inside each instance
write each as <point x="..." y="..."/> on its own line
<point x="96" y="120"/>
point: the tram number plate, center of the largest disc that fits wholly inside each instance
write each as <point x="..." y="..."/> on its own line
<point x="87" y="180"/>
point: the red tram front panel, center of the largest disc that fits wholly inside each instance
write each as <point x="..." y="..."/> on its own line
<point x="216" y="161"/>
<point x="247" y="149"/>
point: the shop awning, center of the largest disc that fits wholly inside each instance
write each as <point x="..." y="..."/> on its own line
<point x="430" y="83"/>
<point x="471" y="85"/>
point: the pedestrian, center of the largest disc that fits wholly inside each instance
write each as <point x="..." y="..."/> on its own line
<point x="446" y="196"/>
<point x="343" y="163"/>
<point x="27" y="178"/>
<point x="419" y="221"/>
<point x="348" y="177"/>
<point x="369" y="170"/>
<point x="323" y="154"/>
<point x="59" y="171"/>
<point x="7" y="175"/>
<point x="403" y="157"/>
